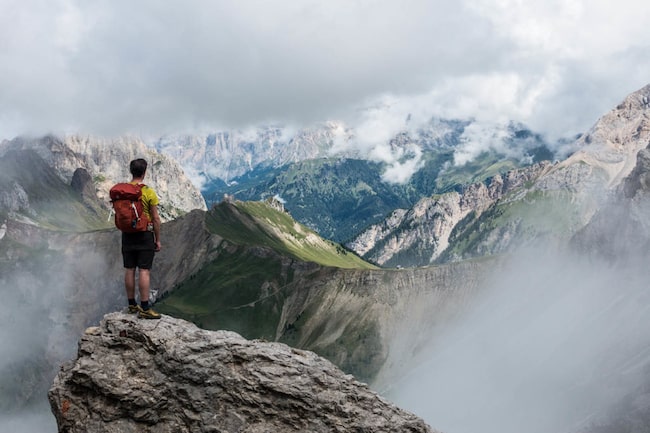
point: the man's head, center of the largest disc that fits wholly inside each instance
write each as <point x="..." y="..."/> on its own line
<point x="138" y="168"/>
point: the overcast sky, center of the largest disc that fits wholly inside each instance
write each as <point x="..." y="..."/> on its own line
<point x="151" y="67"/>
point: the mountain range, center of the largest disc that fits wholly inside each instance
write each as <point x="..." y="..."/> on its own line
<point x="253" y="268"/>
<point x="338" y="190"/>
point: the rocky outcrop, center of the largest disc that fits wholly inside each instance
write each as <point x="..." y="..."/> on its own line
<point x="228" y="154"/>
<point x="133" y="375"/>
<point x="82" y="184"/>
<point x="620" y="229"/>
<point x="549" y="202"/>
<point x="106" y="160"/>
<point x="613" y="142"/>
<point x="639" y="179"/>
<point x="418" y="236"/>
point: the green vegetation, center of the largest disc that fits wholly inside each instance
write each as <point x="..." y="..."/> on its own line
<point x="341" y="197"/>
<point x="246" y="290"/>
<point x="259" y="224"/>
<point x="483" y="167"/>
<point x="240" y="291"/>
<point x="538" y="213"/>
<point x="260" y="270"/>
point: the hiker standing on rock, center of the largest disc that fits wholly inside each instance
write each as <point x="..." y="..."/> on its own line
<point x="136" y="215"/>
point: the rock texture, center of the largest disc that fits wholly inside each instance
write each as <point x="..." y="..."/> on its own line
<point x="228" y="154"/>
<point x="570" y="191"/>
<point x="133" y="375"/>
<point x="106" y="161"/>
<point x="613" y="142"/>
<point x="418" y="236"/>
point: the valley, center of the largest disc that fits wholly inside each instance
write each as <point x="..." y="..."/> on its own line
<point x="387" y="306"/>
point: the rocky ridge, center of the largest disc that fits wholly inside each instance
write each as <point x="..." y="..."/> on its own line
<point x="579" y="185"/>
<point x="133" y="375"/>
<point x="613" y="142"/>
<point x="228" y="154"/>
<point x="425" y="229"/>
<point x="106" y="161"/>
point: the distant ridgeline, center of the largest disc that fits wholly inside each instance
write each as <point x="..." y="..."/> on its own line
<point x="339" y="195"/>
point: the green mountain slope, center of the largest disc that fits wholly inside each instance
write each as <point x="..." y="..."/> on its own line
<point x="340" y="197"/>
<point x="260" y="224"/>
<point x="265" y="265"/>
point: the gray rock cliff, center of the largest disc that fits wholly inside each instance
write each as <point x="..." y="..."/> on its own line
<point x="423" y="232"/>
<point x="133" y="375"/>
<point x="106" y="161"/>
<point x="549" y="202"/>
<point x="228" y="154"/>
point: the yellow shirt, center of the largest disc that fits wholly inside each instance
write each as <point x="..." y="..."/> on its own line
<point x="149" y="198"/>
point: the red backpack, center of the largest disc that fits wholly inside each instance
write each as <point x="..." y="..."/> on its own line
<point x="129" y="210"/>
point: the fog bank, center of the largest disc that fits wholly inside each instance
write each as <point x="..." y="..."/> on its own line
<point x="553" y="343"/>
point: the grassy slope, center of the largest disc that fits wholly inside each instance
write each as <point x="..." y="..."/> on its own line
<point x="341" y="197"/>
<point x="261" y="268"/>
<point x="536" y="215"/>
<point x="258" y="224"/>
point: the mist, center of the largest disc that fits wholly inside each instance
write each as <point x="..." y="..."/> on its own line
<point x="52" y="288"/>
<point x="553" y="344"/>
<point x="27" y="335"/>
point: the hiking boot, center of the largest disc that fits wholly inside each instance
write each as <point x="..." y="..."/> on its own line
<point x="148" y="314"/>
<point x="134" y="309"/>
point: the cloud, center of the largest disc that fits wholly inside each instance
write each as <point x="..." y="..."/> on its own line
<point x="151" y="67"/>
<point x="554" y="341"/>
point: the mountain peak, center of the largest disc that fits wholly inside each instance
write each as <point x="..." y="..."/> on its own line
<point x="613" y="142"/>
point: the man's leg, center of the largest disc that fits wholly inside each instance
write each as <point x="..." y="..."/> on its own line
<point x="129" y="282"/>
<point x="143" y="284"/>
<point x="145" y="261"/>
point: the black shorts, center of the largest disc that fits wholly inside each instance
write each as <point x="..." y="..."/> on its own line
<point x="138" y="250"/>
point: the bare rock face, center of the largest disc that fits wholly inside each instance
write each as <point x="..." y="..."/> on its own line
<point x="134" y="375"/>
<point x="106" y="161"/>
<point x="424" y="230"/>
<point x="607" y="155"/>
<point x="611" y="145"/>
<point x="228" y="154"/>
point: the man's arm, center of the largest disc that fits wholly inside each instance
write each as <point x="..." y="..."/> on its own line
<point x="155" y="219"/>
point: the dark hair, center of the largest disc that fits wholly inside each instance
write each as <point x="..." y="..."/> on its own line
<point x="138" y="167"/>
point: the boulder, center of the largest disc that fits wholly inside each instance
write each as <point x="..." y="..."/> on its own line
<point x="167" y="375"/>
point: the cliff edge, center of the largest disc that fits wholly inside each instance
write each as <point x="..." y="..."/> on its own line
<point x="134" y="375"/>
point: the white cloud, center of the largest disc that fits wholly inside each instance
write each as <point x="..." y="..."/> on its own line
<point x="163" y="67"/>
<point x="401" y="170"/>
<point x="552" y="341"/>
<point x="478" y="138"/>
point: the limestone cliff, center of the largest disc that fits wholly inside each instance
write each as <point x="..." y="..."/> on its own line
<point x="613" y="142"/>
<point x="106" y="160"/>
<point x="549" y="202"/>
<point x="418" y="236"/>
<point x="228" y="154"/>
<point x="133" y="375"/>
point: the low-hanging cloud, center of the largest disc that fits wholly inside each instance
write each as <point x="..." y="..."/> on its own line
<point x="49" y="297"/>
<point x="151" y="67"/>
<point x="554" y="343"/>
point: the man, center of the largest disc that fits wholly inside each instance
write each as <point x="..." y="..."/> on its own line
<point x="138" y="248"/>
